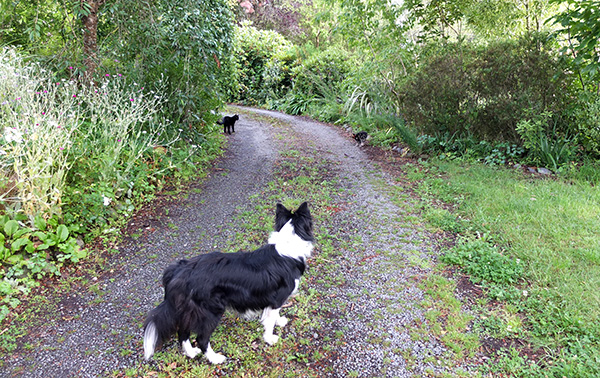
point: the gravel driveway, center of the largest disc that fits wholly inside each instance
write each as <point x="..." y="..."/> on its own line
<point x="96" y="332"/>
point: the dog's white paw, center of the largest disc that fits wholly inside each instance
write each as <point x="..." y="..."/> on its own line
<point x="271" y="339"/>
<point x="216" y="358"/>
<point x="190" y="351"/>
<point x="281" y="321"/>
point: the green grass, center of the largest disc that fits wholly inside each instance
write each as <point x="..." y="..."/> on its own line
<point x="533" y="243"/>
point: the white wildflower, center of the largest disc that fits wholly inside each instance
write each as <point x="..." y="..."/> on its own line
<point x="11" y="134"/>
<point x="106" y="200"/>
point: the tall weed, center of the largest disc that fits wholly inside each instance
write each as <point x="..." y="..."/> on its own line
<point x="38" y="119"/>
<point x="47" y="127"/>
<point x="120" y="127"/>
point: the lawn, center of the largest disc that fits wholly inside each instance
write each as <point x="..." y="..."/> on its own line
<point x="532" y="243"/>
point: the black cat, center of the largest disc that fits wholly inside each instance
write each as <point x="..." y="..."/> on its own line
<point x="360" y="137"/>
<point x="228" y="124"/>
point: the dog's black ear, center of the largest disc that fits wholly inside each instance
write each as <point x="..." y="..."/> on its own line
<point x="282" y="216"/>
<point x="302" y="222"/>
<point x="303" y="210"/>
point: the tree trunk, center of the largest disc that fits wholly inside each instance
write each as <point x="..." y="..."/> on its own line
<point x="90" y="37"/>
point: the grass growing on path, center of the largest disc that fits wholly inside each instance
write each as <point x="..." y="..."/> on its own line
<point x="297" y="178"/>
<point x="534" y="244"/>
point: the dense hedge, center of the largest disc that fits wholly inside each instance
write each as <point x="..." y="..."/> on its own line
<point x="263" y="60"/>
<point x="485" y="91"/>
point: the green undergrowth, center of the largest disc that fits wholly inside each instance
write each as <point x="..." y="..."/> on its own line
<point x="33" y="288"/>
<point x="531" y="244"/>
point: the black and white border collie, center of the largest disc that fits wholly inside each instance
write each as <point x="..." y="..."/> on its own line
<point x="199" y="290"/>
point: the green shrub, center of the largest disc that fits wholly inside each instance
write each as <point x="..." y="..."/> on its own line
<point x="263" y="59"/>
<point x="466" y="146"/>
<point x="484" y="90"/>
<point x="587" y="118"/>
<point x="546" y="145"/>
<point x="296" y="103"/>
<point x="322" y="71"/>
<point x="27" y="254"/>
<point x="186" y="45"/>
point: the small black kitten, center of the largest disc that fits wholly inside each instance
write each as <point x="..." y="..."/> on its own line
<point x="228" y="124"/>
<point x="360" y="137"/>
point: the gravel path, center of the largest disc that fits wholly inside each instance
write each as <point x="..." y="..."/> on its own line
<point x="95" y="333"/>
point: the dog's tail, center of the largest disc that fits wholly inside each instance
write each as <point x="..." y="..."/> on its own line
<point x="160" y="324"/>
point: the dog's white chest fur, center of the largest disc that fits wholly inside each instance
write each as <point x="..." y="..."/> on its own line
<point x="287" y="243"/>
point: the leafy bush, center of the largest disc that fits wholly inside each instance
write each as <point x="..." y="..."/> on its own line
<point x="263" y="59"/>
<point x="322" y="71"/>
<point x="587" y="118"/>
<point x="31" y="253"/>
<point x="189" y="42"/>
<point x="545" y="144"/>
<point x="73" y="160"/>
<point x="484" y="90"/>
<point x="466" y="146"/>
<point x="296" y="103"/>
<point x="48" y="127"/>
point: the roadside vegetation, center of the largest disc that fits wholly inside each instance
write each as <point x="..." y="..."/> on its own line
<point x="497" y="104"/>
<point x="83" y="146"/>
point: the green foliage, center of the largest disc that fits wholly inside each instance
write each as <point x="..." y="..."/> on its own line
<point x="587" y="171"/>
<point x="27" y="23"/>
<point x="186" y="45"/>
<point x="480" y="20"/>
<point x="587" y="120"/>
<point x="385" y="129"/>
<point x="38" y="118"/>
<point x="437" y="18"/>
<point x="297" y="103"/>
<point x="263" y="59"/>
<point x="581" y="28"/>
<point x="367" y="22"/>
<point x="75" y="161"/>
<point x="484" y="262"/>
<point x="485" y="90"/>
<point x="322" y="71"/>
<point x="545" y="144"/>
<point x="465" y="146"/>
<point x="28" y="254"/>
